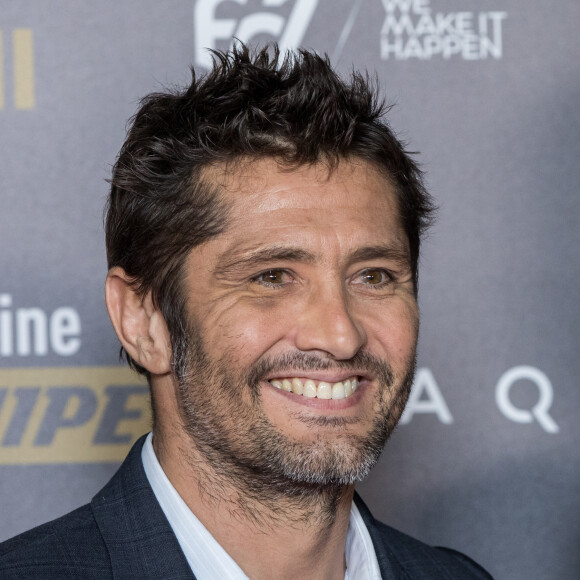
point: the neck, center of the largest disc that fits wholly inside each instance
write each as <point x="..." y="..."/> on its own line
<point x="273" y="528"/>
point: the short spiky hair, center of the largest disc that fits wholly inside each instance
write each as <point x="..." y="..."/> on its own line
<point x="252" y="105"/>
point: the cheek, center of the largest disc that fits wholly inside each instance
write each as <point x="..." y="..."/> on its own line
<point x="247" y="331"/>
<point x="393" y="333"/>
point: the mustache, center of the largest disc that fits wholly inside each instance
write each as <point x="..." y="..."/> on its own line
<point x="362" y="362"/>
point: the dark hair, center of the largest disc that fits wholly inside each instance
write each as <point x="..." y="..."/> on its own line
<point x="250" y="105"/>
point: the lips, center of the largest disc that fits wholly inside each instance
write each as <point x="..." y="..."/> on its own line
<point x="311" y="388"/>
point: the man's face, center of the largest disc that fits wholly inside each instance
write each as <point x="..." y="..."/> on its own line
<point x="302" y="325"/>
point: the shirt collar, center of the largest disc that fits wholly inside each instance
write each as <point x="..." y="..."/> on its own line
<point x="206" y="557"/>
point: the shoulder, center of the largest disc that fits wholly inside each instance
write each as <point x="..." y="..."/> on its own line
<point x="66" y="548"/>
<point x="406" y="557"/>
<point x="420" y="560"/>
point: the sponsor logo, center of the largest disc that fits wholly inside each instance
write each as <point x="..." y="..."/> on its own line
<point x="412" y="29"/>
<point x="22" y="46"/>
<point x="540" y="411"/>
<point x="31" y="331"/>
<point x="426" y="398"/>
<point x="284" y="21"/>
<point x="71" y="414"/>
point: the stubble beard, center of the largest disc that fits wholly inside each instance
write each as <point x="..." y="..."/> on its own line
<point x="222" y="414"/>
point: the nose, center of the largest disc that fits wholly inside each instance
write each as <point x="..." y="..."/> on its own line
<point x="327" y="324"/>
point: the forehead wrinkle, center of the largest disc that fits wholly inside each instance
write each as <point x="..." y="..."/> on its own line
<point x="231" y="262"/>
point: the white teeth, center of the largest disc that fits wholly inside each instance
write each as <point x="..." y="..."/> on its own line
<point x="347" y="388"/>
<point x="310" y="389"/>
<point x="323" y="390"/>
<point x="338" y="391"/>
<point x="297" y="387"/>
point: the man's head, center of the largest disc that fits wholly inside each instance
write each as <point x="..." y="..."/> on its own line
<point x="250" y="106"/>
<point x="263" y="236"/>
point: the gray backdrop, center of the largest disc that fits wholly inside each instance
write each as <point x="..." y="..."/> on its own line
<point x="488" y="92"/>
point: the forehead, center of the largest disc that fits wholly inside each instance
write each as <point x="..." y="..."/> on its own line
<point x="263" y="198"/>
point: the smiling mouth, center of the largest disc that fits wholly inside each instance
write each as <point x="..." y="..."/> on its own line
<point x="317" y="389"/>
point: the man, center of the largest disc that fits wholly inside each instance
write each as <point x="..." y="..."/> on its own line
<point x="263" y="236"/>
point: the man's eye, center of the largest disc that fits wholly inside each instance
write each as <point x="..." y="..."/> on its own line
<point x="271" y="277"/>
<point x="375" y="277"/>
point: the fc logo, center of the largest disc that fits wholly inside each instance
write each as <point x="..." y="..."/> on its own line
<point x="210" y="28"/>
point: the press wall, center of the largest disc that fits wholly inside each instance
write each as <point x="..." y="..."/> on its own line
<point x="486" y="459"/>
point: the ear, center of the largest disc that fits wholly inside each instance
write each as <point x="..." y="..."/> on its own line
<point x="139" y="325"/>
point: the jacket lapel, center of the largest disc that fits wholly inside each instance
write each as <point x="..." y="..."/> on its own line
<point x="140" y="540"/>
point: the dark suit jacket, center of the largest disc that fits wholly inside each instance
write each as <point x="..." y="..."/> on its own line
<point x="123" y="534"/>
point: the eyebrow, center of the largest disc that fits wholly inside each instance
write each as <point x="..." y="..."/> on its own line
<point x="247" y="259"/>
<point x="396" y="253"/>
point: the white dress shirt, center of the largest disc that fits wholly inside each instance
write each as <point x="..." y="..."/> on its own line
<point x="208" y="560"/>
